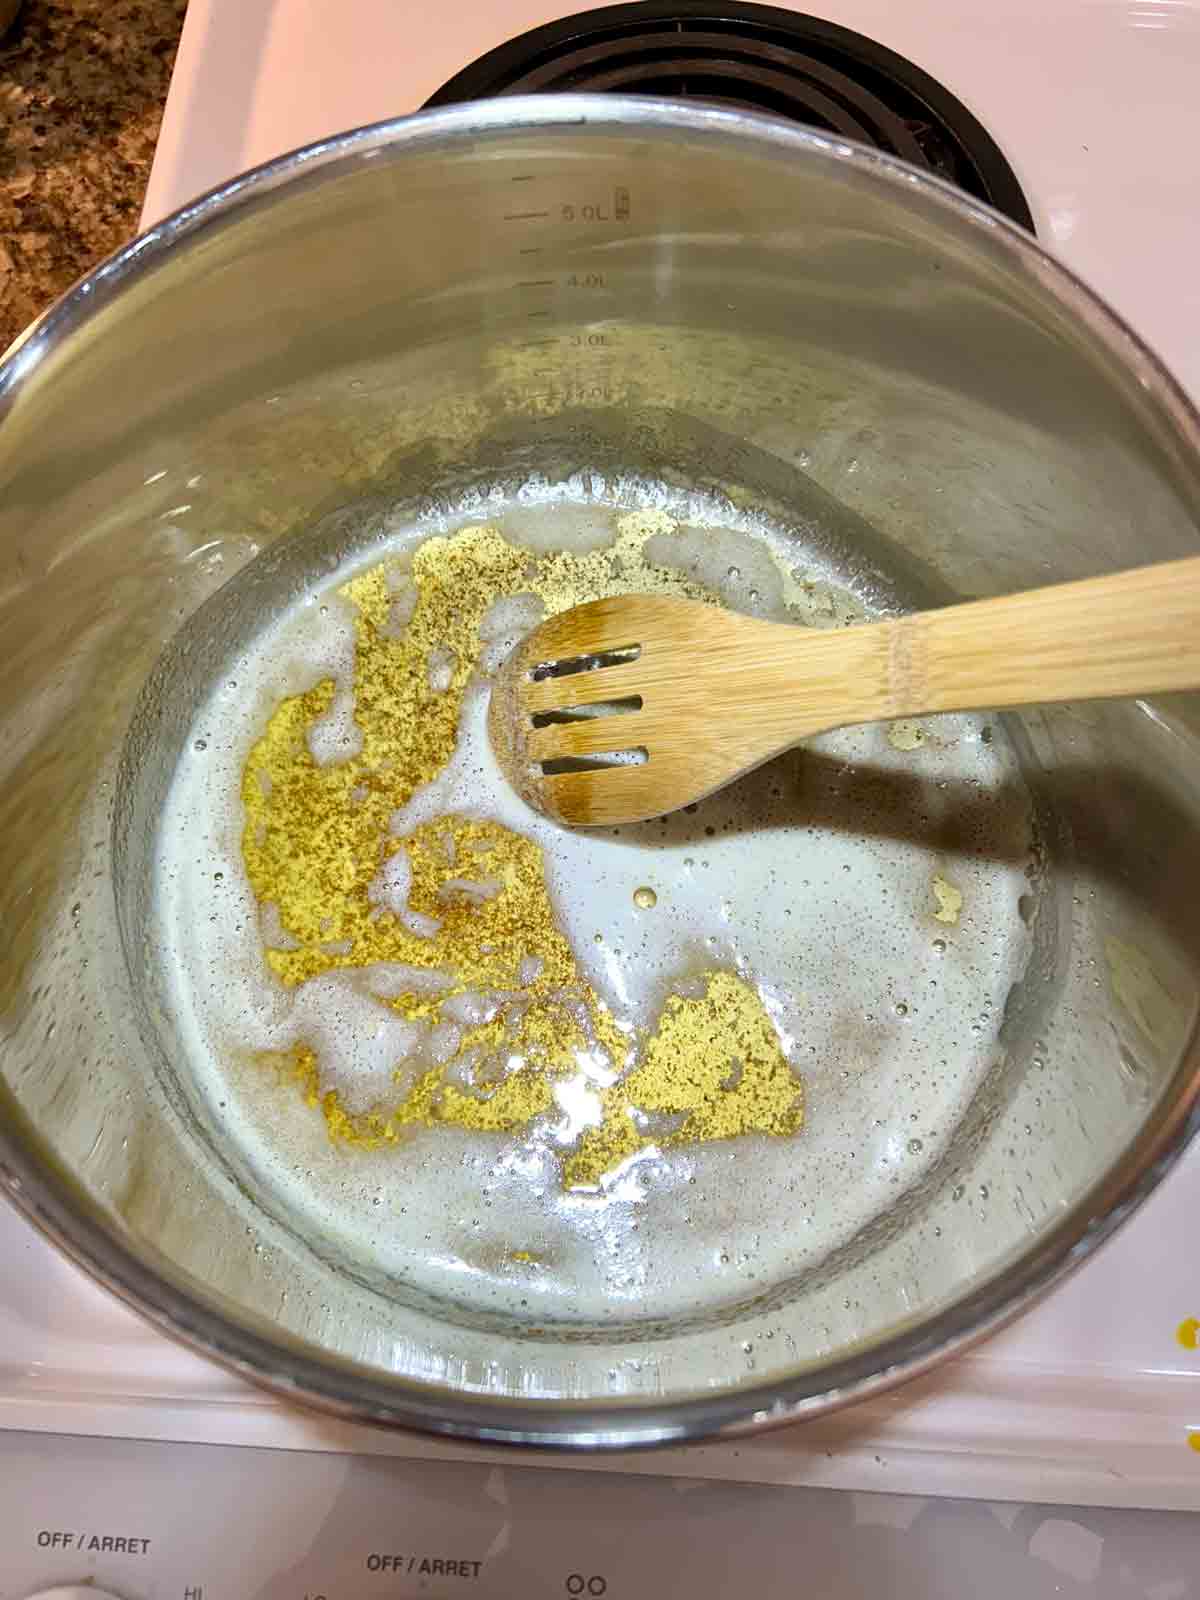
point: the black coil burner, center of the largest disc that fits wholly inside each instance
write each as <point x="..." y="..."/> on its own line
<point x="755" y="58"/>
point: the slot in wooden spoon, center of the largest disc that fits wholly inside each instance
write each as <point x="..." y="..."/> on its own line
<point x="629" y="707"/>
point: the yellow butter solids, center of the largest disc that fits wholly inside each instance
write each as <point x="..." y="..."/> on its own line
<point x="540" y="1048"/>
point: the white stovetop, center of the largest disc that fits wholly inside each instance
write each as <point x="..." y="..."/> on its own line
<point x="1090" y="1398"/>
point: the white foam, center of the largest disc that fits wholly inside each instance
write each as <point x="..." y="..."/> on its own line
<point x="440" y="668"/>
<point x="274" y="934"/>
<point x="359" y="1042"/>
<point x="741" y="572"/>
<point x="390" y="978"/>
<point x="505" y="623"/>
<point x="813" y="878"/>
<point x="389" y="889"/>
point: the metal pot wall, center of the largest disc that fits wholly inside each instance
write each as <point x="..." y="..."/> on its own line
<point x="456" y="304"/>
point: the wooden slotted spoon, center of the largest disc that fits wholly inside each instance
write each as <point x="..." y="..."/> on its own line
<point x="629" y="707"/>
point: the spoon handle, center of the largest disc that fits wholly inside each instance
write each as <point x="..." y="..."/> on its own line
<point x="1126" y="633"/>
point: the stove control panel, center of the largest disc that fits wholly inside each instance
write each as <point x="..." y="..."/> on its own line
<point x="124" y="1519"/>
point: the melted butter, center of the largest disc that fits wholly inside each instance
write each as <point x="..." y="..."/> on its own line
<point x="318" y="836"/>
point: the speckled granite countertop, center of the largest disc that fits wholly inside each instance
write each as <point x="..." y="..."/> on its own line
<point x="82" y="87"/>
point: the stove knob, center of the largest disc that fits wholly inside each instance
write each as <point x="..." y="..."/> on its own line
<point x="74" y="1591"/>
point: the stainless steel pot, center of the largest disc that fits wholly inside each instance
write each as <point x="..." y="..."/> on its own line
<point x="550" y="286"/>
